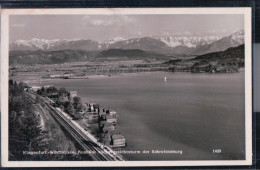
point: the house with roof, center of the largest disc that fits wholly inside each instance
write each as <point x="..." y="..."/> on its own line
<point x="73" y="94"/>
<point x="117" y="140"/>
<point x="111" y="118"/>
<point x="108" y="127"/>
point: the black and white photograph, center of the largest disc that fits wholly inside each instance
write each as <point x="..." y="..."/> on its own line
<point x="126" y="87"/>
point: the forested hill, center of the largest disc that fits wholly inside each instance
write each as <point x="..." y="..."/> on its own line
<point x="233" y="52"/>
<point x="63" y="56"/>
<point x="49" y="57"/>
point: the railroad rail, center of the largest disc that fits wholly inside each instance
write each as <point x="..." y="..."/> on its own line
<point x="99" y="154"/>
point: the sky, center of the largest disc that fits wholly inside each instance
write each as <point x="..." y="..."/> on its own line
<point x="105" y="27"/>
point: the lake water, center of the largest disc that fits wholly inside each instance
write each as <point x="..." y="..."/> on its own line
<point x="194" y="113"/>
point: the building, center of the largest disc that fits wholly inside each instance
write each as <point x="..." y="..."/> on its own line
<point x="68" y="74"/>
<point x="118" y="140"/>
<point x="55" y="76"/>
<point x="113" y="113"/>
<point x="93" y="107"/>
<point x="35" y="88"/>
<point x="73" y="94"/>
<point x="111" y="118"/>
<point x="107" y="127"/>
<point x="48" y="86"/>
<point x="93" y="118"/>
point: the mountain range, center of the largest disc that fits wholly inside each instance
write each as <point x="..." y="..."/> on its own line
<point x="169" y="45"/>
<point x="64" y="56"/>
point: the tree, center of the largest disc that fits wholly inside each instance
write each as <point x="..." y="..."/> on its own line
<point x="11" y="82"/>
<point x="22" y="85"/>
<point x="39" y="92"/>
<point x="42" y="103"/>
<point x="76" y="101"/>
<point x="61" y="98"/>
<point x="15" y="84"/>
<point x="63" y="91"/>
<point x="79" y="107"/>
<point x="51" y="89"/>
<point x="70" y="110"/>
<point x="43" y="91"/>
<point x="37" y="99"/>
<point x="66" y="104"/>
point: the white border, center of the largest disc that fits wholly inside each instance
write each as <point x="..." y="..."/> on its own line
<point x="5" y="13"/>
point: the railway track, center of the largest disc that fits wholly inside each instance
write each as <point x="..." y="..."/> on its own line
<point x="85" y="143"/>
<point x="78" y="137"/>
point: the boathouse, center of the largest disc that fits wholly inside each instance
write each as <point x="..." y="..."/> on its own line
<point x="117" y="140"/>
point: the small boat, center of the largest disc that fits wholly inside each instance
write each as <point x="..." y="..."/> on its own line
<point x="165" y="79"/>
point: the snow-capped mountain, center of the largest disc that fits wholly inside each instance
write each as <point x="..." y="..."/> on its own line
<point x="35" y="44"/>
<point x="107" y="43"/>
<point x="190" y="42"/>
<point x="233" y="40"/>
<point x="145" y="43"/>
<point x="238" y="36"/>
<point x="113" y="40"/>
<point x="53" y="45"/>
<point x="179" y="44"/>
<point x="50" y="45"/>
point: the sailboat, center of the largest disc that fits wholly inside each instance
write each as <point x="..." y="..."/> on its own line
<point x="165" y="79"/>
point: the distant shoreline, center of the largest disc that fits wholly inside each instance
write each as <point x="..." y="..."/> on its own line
<point x="40" y="81"/>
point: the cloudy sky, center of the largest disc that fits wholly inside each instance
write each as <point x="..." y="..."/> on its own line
<point x="104" y="27"/>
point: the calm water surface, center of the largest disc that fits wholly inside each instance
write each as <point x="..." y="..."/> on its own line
<point x="195" y="113"/>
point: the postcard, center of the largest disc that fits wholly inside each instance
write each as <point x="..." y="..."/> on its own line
<point x="126" y="87"/>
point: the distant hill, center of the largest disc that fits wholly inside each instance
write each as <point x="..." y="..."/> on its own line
<point x="63" y="56"/>
<point x="230" y="53"/>
<point x="131" y="54"/>
<point x="49" y="57"/>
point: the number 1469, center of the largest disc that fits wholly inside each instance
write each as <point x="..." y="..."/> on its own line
<point x="216" y="151"/>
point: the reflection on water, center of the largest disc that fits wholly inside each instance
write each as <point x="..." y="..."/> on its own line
<point x="194" y="113"/>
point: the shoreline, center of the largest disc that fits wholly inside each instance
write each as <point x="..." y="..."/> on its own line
<point x="41" y="81"/>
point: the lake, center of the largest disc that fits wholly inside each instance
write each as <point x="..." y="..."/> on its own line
<point x="192" y="113"/>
